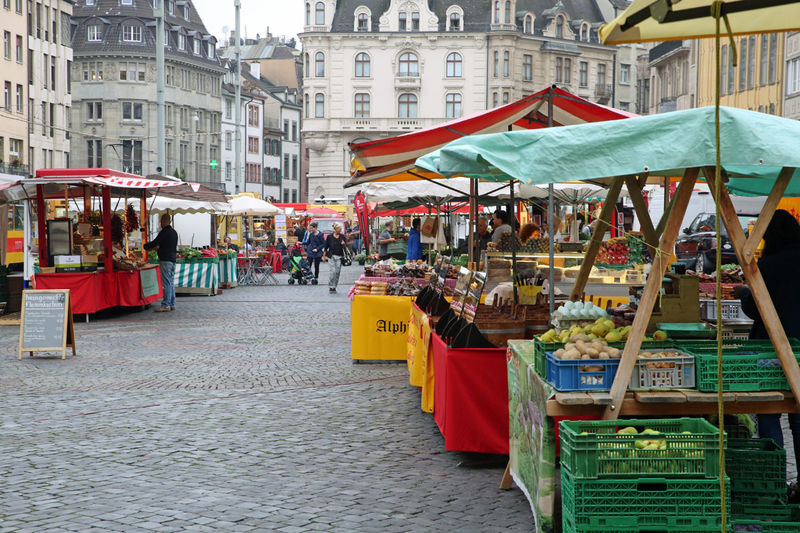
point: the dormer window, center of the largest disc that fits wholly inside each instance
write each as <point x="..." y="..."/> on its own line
<point x="363" y="22"/>
<point x="93" y="32"/>
<point x="508" y="12"/>
<point x="584" y="35"/>
<point x="131" y="33"/>
<point x="527" y="25"/>
<point x="497" y="12"/>
<point x="559" y="27"/>
<point x="171" y="7"/>
<point x="126" y="2"/>
<point x="455" y="18"/>
<point x="455" y="22"/>
<point x="196" y="46"/>
<point x="211" y="50"/>
<point x="308" y="14"/>
<point x="401" y="25"/>
<point x="186" y="12"/>
<point x="181" y="41"/>
<point x="319" y="13"/>
<point x="166" y="37"/>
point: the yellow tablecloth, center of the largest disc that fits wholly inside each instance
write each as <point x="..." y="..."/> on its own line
<point x="379" y="327"/>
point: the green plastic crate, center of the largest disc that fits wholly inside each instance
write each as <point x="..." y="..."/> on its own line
<point x="645" y="502"/>
<point x="757" y="469"/>
<point x="568" y="526"/>
<point x="603" y="453"/>
<point x="741" y="372"/>
<point x="767" y="518"/>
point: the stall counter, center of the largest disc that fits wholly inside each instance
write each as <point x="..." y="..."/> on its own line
<point x="379" y="326"/>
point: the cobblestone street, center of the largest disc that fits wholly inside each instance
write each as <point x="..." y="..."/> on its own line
<point x="239" y="412"/>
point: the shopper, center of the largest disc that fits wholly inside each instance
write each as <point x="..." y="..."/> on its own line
<point x="501" y="225"/>
<point x="335" y="246"/>
<point x="315" y="242"/>
<point x="778" y="266"/>
<point x="414" y="251"/>
<point x="167" y="243"/>
<point x="281" y="247"/>
<point x="383" y="241"/>
<point x="231" y="245"/>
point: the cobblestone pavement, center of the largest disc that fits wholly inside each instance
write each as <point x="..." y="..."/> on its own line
<point x="239" y="412"/>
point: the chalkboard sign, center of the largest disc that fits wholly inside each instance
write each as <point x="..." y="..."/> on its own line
<point x="46" y="322"/>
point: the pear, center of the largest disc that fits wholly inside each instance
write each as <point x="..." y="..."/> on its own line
<point x="660" y="335"/>
<point x="630" y="430"/>
<point x="613" y="336"/>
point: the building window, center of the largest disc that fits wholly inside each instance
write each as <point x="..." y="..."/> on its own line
<point x="527" y="67"/>
<point x="252" y="145"/>
<point x="319" y="105"/>
<point x="601" y="75"/>
<point x="773" y="58"/>
<point x="307" y="105"/>
<point x="495" y="99"/>
<point x="93" y="71"/>
<point x="361" y="107"/>
<point x="453" y="65"/>
<point x="228" y="140"/>
<point x="181" y="41"/>
<point x="506" y="61"/>
<point x="731" y="74"/>
<point x="363" y="22"/>
<point x="18" y="6"/>
<point x="763" y="59"/>
<point x="319" y="13"/>
<point x="401" y="21"/>
<point x="130" y="71"/>
<point x="407" y="106"/>
<point x="409" y="64"/>
<point x="228" y="171"/>
<point x="793" y="76"/>
<point x="559" y="27"/>
<point x="452" y="108"/>
<point x="94" y="111"/>
<point x="7" y="45"/>
<point x="771" y="109"/>
<point x="723" y="83"/>
<point x="132" y="33"/>
<point x="319" y="64"/>
<point x="751" y="62"/>
<point x="186" y="12"/>
<point x="93" y="32"/>
<point x="170" y="6"/>
<point x="228" y="108"/>
<point x="455" y="22"/>
<point x="252" y="115"/>
<point x="508" y="12"/>
<point x="294" y="167"/>
<point x="583" y="74"/>
<point x="496" y="64"/>
<point x="20" y="99"/>
<point x="415" y="21"/>
<point x="211" y="50"/>
<point x="625" y="74"/>
<point x="505" y="97"/>
<point x="94" y="154"/>
<point x="7" y="96"/>
<point x="527" y="25"/>
<point x="308" y="14"/>
<point x="196" y="46"/>
<point x="126" y="2"/>
<point x="132" y="156"/>
<point x="362" y="65"/>
<point x="559" y="69"/>
<point x="497" y="12"/>
<point x="743" y="63"/>
<point x="131" y="111"/>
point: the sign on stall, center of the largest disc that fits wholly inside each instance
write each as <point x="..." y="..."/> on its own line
<point x="149" y="282"/>
<point x="46" y="322"/>
<point x="280" y="227"/>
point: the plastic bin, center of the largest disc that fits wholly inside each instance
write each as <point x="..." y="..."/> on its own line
<point x="651" y="504"/>
<point x="765" y="518"/>
<point x="757" y="469"/>
<point x="681" y="375"/>
<point x="603" y="453"/>
<point x="731" y="310"/>
<point x="572" y="375"/>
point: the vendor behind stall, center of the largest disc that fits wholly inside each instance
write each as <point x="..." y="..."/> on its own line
<point x="384" y="239"/>
<point x="167" y="243"/>
<point x="414" y="252"/>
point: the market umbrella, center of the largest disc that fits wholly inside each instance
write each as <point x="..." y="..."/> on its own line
<point x="249" y="206"/>
<point x="667" y="20"/>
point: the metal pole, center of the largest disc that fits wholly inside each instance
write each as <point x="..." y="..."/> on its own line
<point x="160" y="115"/>
<point x="238" y="181"/>
<point x="550" y="222"/>
<point x="473" y="216"/>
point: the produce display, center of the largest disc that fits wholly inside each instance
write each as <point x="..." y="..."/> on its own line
<point x="403" y="288"/>
<point x="191" y="253"/>
<point x="579" y="311"/>
<point x="131" y="219"/>
<point x="614" y="252"/>
<point x="602" y="328"/>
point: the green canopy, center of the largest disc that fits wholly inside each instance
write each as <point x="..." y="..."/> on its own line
<point x="755" y="146"/>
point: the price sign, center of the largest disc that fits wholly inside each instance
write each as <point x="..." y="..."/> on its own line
<point x="46" y="322"/>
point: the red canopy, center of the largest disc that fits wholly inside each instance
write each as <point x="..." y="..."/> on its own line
<point x="319" y="210"/>
<point x="392" y="155"/>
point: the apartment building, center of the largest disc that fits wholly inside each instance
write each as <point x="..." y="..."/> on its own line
<point x="14" y="160"/>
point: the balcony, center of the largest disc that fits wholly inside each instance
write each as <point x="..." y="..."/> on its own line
<point x="602" y="93"/>
<point x="383" y="124"/>
<point x="407" y="81"/>
<point x="14" y="169"/>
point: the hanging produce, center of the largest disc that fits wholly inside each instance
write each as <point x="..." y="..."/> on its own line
<point x="131" y="220"/>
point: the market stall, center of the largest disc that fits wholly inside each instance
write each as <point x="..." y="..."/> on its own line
<point x="553" y="385"/>
<point x="82" y="247"/>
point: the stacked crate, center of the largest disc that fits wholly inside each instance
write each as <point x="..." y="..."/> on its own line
<point x="664" y="480"/>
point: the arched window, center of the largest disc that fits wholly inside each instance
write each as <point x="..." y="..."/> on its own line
<point x="362" y="65"/>
<point x="506" y="60"/>
<point x="319" y="13"/>
<point x="585" y="32"/>
<point x="453" y="65"/>
<point x="407" y="106"/>
<point x="455" y="22"/>
<point x="508" y="12"/>
<point x="363" y="22"/>
<point x="308" y="13"/>
<point x="452" y="105"/>
<point x="409" y="64"/>
<point x="308" y="111"/>
<point x="559" y="27"/>
<point x="497" y="12"/>
<point x="307" y="65"/>
<point x="361" y="106"/>
<point x="319" y="64"/>
<point x="319" y="105"/>
<point x="528" y="25"/>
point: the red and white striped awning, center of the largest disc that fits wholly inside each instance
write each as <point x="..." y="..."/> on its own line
<point x="132" y="183"/>
<point x="383" y="159"/>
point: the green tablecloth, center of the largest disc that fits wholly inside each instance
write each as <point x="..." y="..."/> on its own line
<point x="532" y="448"/>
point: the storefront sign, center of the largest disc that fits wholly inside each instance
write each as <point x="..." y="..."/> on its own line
<point x="46" y="322"/>
<point x="379" y="327"/>
<point x="149" y="282"/>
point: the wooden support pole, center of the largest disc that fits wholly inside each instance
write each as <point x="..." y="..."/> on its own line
<point x="766" y="309"/>
<point x="769" y="207"/>
<point x="642" y="213"/>
<point x="108" y="253"/>
<point x="597" y="238"/>
<point x="651" y="291"/>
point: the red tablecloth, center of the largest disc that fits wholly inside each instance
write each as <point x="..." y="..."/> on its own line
<point x="471" y="397"/>
<point x="93" y="291"/>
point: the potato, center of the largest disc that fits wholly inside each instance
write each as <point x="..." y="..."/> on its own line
<point x="580" y="346"/>
<point x="559" y="353"/>
<point x="645" y="354"/>
<point x="579" y="337"/>
<point x="572" y="354"/>
<point x="591" y="352"/>
<point x="614" y="353"/>
<point x="599" y="345"/>
<point x="568" y="346"/>
<point x="603" y="355"/>
<point x="586" y="356"/>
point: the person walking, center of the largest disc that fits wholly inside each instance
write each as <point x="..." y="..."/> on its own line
<point x="334" y="248"/>
<point x="315" y="242"/>
<point x="778" y="264"/>
<point x="383" y="241"/>
<point x="167" y="243"/>
<point x="414" y="252"/>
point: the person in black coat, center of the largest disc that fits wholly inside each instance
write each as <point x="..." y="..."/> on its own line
<point x="315" y="242"/>
<point x="778" y="266"/>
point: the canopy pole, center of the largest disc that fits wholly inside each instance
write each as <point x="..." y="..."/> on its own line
<point x="473" y="218"/>
<point x="551" y="290"/>
<point x="513" y="243"/>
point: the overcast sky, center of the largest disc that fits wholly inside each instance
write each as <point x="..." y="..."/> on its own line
<point x="283" y="17"/>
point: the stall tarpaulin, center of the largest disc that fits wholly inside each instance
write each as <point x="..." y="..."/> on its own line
<point x="362" y="212"/>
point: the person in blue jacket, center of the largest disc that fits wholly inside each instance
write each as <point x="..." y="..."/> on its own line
<point x="778" y="266"/>
<point x="315" y="243"/>
<point x="414" y="251"/>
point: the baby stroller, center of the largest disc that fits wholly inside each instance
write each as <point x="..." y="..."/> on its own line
<point x="298" y="268"/>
